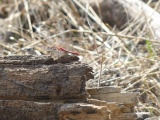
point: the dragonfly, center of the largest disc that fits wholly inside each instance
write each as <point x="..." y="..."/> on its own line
<point x="59" y="48"/>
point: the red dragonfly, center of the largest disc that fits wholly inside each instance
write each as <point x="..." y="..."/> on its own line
<point x="62" y="49"/>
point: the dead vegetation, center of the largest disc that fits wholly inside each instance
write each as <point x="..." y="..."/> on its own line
<point x="124" y="55"/>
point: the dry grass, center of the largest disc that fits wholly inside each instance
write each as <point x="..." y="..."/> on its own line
<point x="128" y="58"/>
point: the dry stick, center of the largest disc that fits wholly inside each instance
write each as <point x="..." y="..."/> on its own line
<point x="155" y="8"/>
<point x="129" y="23"/>
<point x="157" y="5"/>
<point x="19" y="18"/>
<point x="28" y="18"/>
<point x="6" y="47"/>
<point x="96" y="20"/>
<point x="40" y="50"/>
<point x="153" y="96"/>
<point x="80" y="27"/>
<point x="136" y="76"/>
<point x="83" y="50"/>
<point x="87" y="7"/>
<point x="35" y="43"/>
<point x="83" y="31"/>
<point x="148" y="19"/>
<point x="100" y="71"/>
<point x="129" y="36"/>
<point x="133" y="23"/>
<point x="71" y="17"/>
<point x="139" y="6"/>
<point x="150" y="93"/>
<point x="99" y="22"/>
<point x="145" y="74"/>
<point x="149" y="89"/>
<point x="76" y="24"/>
<point x="150" y="30"/>
<point x="99" y="8"/>
<point x="151" y="108"/>
<point x="105" y="43"/>
<point x="73" y="7"/>
<point x="149" y="2"/>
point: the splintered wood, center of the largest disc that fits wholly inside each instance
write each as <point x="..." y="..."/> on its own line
<point x="39" y="87"/>
<point x="120" y="104"/>
<point x="29" y="110"/>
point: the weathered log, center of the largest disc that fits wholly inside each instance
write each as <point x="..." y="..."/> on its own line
<point x="35" y="60"/>
<point x="118" y="111"/>
<point x="120" y="104"/>
<point x="112" y="94"/>
<point x="84" y="112"/>
<point x="129" y="98"/>
<point x="54" y="84"/>
<point x="114" y="13"/>
<point x="102" y="90"/>
<point x="113" y="106"/>
<point x="29" y="78"/>
<point x="29" y="110"/>
<point x="26" y="60"/>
